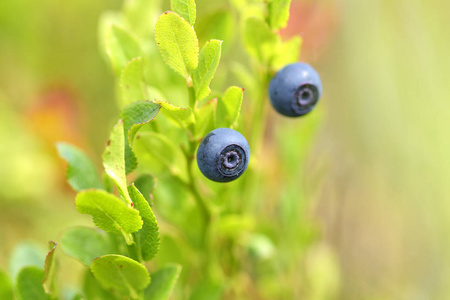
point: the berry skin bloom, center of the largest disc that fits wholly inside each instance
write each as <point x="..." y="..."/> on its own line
<point x="295" y="90"/>
<point x="223" y="155"/>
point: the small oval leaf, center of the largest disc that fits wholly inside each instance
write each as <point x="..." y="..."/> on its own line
<point x="163" y="283"/>
<point x="114" y="159"/>
<point x="134" y="117"/>
<point x="278" y="13"/>
<point x="108" y="212"/>
<point x="81" y="173"/>
<point x="121" y="273"/>
<point x="28" y="285"/>
<point x="148" y="236"/>
<point x="208" y="62"/>
<point x="186" y="9"/>
<point x="121" y="47"/>
<point x="177" y="43"/>
<point x="259" y="40"/>
<point x="179" y="115"/>
<point x="229" y="107"/>
<point x="85" y="244"/>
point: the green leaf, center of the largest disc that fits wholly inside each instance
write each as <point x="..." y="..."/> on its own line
<point x="137" y="115"/>
<point x="108" y="183"/>
<point x="229" y="107"/>
<point x="26" y="254"/>
<point x="148" y="236"/>
<point x="245" y="77"/>
<point x="93" y="290"/>
<point x="185" y="8"/>
<point x="114" y="159"/>
<point x="181" y="116"/>
<point x="207" y="65"/>
<point x="278" y="13"/>
<point x="108" y="212"/>
<point x="107" y="19"/>
<point x="177" y="43"/>
<point x="121" y="47"/>
<point x="28" y="286"/>
<point x="81" y="173"/>
<point x="259" y="40"/>
<point x="50" y="269"/>
<point x="154" y="93"/>
<point x="288" y="53"/>
<point x="121" y="273"/>
<point x="146" y="184"/>
<point x="163" y="282"/>
<point x="134" y="117"/>
<point x="205" y="118"/>
<point x="6" y="291"/>
<point x="223" y="29"/>
<point x="158" y="153"/>
<point x="132" y="83"/>
<point x="141" y="15"/>
<point x="85" y="244"/>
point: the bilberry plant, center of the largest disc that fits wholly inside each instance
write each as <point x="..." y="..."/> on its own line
<point x="158" y="220"/>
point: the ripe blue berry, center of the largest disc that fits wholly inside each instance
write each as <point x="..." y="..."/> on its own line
<point x="295" y="90"/>
<point x="223" y="155"/>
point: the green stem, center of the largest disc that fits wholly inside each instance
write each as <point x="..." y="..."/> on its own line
<point x="128" y="238"/>
<point x="133" y="252"/>
<point x="192" y="98"/>
<point x="258" y="128"/>
<point x="201" y="203"/>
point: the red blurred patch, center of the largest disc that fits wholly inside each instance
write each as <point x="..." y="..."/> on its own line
<point x="315" y="22"/>
<point x="54" y="116"/>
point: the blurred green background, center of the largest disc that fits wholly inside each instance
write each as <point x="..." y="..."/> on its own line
<point x="382" y="152"/>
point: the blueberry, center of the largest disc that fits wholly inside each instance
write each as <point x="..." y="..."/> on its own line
<point x="295" y="90"/>
<point x="223" y="155"/>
